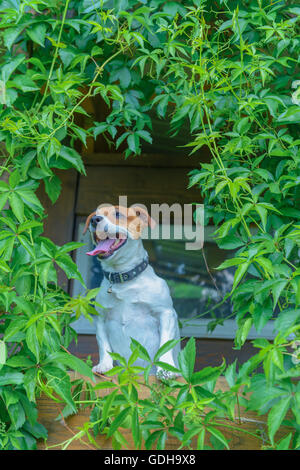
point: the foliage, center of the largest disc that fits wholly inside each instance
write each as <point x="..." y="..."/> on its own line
<point x="229" y="71"/>
<point x="193" y="409"/>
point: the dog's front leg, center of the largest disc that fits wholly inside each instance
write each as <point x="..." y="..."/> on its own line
<point x="168" y="327"/>
<point x="105" y="360"/>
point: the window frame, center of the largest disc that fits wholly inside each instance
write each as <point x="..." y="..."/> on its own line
<point x="196" y="327"/>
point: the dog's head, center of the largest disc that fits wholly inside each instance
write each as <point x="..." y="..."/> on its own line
<point x="112" y="226"/>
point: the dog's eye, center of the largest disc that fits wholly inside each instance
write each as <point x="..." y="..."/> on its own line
<point x="118" y="215"/>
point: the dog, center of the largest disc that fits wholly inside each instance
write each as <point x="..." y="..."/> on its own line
<point x="137" y="303"/>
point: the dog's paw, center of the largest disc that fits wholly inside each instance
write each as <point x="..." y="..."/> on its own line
<point x="103" y="367"/>
<point x="163" y="374"/>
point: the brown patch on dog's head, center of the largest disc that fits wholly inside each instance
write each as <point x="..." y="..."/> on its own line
<point x="138" y="219"/>
<point x="134" y="218"/>
<point x="87" y="222"/>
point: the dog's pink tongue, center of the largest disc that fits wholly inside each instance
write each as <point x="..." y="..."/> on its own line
<point x="103" y="247"/>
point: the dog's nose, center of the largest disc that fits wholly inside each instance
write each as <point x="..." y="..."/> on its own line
<point x="95" y="220"/>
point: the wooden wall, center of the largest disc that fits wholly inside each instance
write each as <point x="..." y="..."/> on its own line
<point x="146" y="179"/>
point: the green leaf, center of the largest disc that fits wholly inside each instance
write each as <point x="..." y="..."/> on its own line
<point x="36" y="429"/>
<point x="72" y="362"/>
<point x="17" y="415"/>
<point x="284" y="443"/>
<point x="286" y="319"/>
<point x="166" y="366"/>
<point x="133" y="143"/>
<point x="31" y="200"/>
<point x="136" y="433"/>
<point x="145" y="135"/>
<point x="109" y="400"/>
<point x="165" y="348"/>
<point x="14" y="327"/>
<point x="3" y="200"/>
<point x="17" y="206"/>
<point x="67" y="55"/>
<point x="23" y="83"/>
<point x="10" y="35"/>
<point x="37" y="33"/>
<point x="27" y="245"/>
<point x="4" y="186"/>
<point x="276" y="416"/>
<point x="186" y="359"/>
<point x="28" y="224"/>
<point x="14" y="179"/>
<point x="133" y="357"/>
<point x="59" y="380"/>
<point x="239" y="273"/>
<point x="277" y="290"/>
<point x="99" y="128"/>
<point x="261" y="316"/>
<point x="291" y="115"/>
<point x="207" y="374"/>
<point x="19" y="360"/>
<point x="96" y="50"/>
<point x="53" y="187"/>
<point x="32" y="341"/>
<point x="231" y="262"/>
<point x="9" y="67"/>
<point x="114" y="371"/>
<point x="43" y="269"/>
<point x="123" y="75"/>
<point x="70" y="268"/>
<point x="104" y="385"/>
<point x="201" y="439"/>
<point x="263" y="213"/>
<point x="30" y="380"/>
<point x="190" y="433"/>
<point x="220" y="186"/>
<point x="3" y="353"/>
<point x="73" y="157"/>
<point x="118" y="421"/>
<point x="218" y="435"/>
<point x="277" y="358"/>
<point x="9" y="376"/>
<point x="142" y="351"/>
<point x="243" y="331"/>
<point x="4" y="266"/>
<point x="152" y="438"/>
<point x="10" y="397"/>
<point x="161" y="442"/>
<point x="70" y="247"/>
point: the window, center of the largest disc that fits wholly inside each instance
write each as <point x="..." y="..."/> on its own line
<point x="196" y="292"/>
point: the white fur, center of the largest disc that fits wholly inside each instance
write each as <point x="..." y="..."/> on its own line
<point x="141" y="308"/>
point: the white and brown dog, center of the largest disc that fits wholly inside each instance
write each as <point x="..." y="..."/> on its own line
<point x="137" y="303"/>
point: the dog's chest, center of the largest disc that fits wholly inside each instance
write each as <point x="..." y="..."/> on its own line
<point x="145" y="292"/>
<point x="119" y="297"/>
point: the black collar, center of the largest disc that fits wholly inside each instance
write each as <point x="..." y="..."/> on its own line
<point x="115" y="278"/>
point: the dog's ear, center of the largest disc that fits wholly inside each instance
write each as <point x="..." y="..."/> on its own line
<point x="144" y="216"/>
<point x="87" y="222"/>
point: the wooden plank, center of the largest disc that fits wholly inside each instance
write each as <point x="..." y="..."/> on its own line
<point x="147" y="160"/>
<point x="140" y="185"/>
<point x="61" y="430"/>
<point x="59" y="223"/>
<point x="209" y="352"/>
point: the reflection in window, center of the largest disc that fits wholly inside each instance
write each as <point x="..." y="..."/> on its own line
<point x="194" y="290"/>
